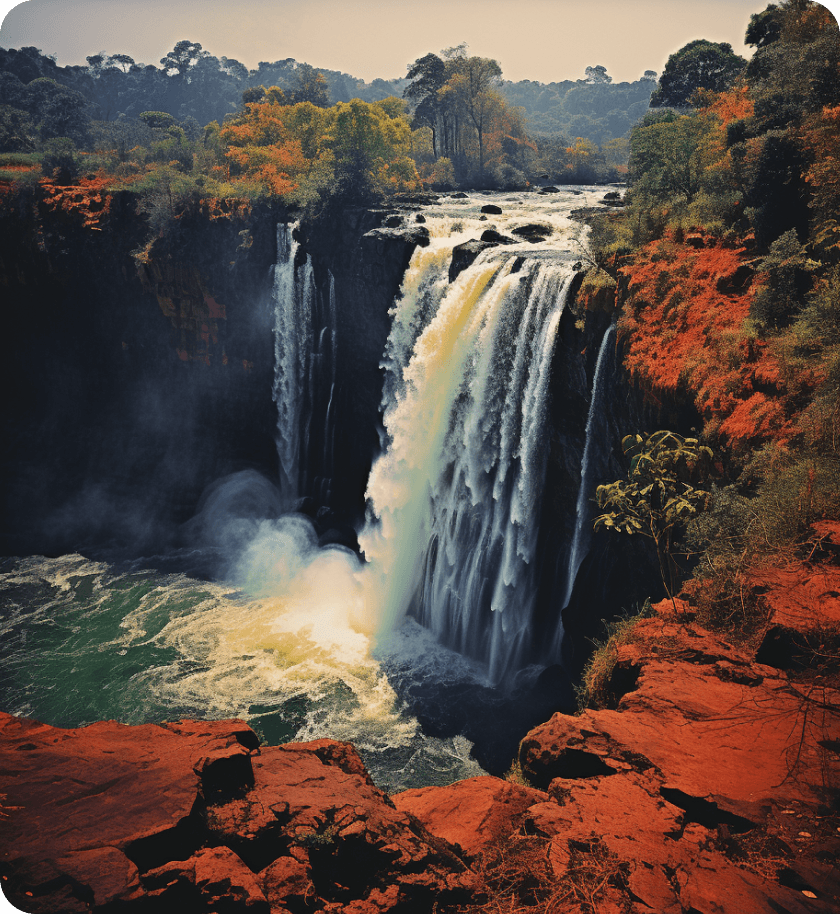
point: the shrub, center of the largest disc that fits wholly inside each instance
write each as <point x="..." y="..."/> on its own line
<point x="60" y="161"/>
<point x="595" y="689"/>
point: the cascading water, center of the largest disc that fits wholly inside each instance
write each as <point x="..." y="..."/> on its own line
<point x="305" y="355"/>
<point x="307" y="642"/>
<point x="293" y="297"/>
<point x="580" y="539"/>
<point x="455" y="498"/>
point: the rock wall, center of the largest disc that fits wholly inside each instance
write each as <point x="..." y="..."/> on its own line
<point x="130" y="385"/>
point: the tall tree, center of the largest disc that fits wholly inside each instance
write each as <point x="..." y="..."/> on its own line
<point x="700" y="64"/>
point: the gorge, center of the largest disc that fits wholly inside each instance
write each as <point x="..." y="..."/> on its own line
<point x="247" y="610"/>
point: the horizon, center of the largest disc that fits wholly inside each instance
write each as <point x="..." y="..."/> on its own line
<point x="378" y="39"/>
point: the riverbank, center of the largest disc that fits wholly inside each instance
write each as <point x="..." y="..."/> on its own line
<point x="710" y="787"/>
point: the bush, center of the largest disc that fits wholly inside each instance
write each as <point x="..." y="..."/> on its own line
<point x="60" y="161"/>
<point x="596" y="687"/>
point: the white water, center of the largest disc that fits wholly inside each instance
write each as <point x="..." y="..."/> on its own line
<point x="455" y="499"/>
<point x="580" y="540"/>
<point x="305" y="636"/>
<point x="294" y="292"/>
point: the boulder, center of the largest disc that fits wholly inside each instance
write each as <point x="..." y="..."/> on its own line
<point x="195" y="816"/>
<point x="533" y="232"/>
<point x="495" y="237"/>
<point x="472" y="813"/>
<point x="464" y="255"/>
<point x="491" y="209"/>
<point x="459" y="195"/>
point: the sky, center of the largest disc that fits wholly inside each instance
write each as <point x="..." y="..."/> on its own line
<point x="542" y="40"/>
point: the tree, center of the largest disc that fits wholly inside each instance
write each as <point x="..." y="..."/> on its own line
<point x="598" y="75"/>
<point x="428" y="76"/>
<point x="183" y="56"/>
<point x="700" y="64"/>
<point x="670" y="153"/>
<point x="473" y="88"/>
<point x="659" y="495"/>
<point x="310" y="86"/>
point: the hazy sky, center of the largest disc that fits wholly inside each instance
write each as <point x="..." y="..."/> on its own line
<point x="543" y="40"/>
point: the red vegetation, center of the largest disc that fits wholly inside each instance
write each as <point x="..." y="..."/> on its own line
<point x="684" y="327"/>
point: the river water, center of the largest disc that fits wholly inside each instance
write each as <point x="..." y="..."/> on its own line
<point x="306" y="642"/>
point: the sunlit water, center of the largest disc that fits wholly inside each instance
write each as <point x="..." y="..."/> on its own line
<point x="303" y="642"/>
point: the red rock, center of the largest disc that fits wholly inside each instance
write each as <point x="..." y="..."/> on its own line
<point x="194" y="816"/>
<point x="471" y="813"/>
<point x="707" y="743"/>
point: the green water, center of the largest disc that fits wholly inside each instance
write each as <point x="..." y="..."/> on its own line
<point x="82" y="641"/>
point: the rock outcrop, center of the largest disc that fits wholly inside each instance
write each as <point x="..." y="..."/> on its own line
<point x="711" y="788"/>
<point x="194" y="816"/>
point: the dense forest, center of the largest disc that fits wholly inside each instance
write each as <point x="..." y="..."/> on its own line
<point x="208" y="127"/>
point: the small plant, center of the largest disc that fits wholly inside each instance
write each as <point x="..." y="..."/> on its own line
<point x="659" y="495"/>
<point x="595" y="689"/>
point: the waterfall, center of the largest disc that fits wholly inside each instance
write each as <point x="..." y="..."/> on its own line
<point x="293" y="327"/>
<point x="580" y="540"/>
<point x="455" y="498"/>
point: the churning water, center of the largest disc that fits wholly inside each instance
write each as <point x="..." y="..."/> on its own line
<point x="302" y="641"/>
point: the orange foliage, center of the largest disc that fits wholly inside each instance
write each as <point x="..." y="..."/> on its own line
<point x="729" y="106"/>
<point x="683" y="326"/>
<point x="262" y="148"/>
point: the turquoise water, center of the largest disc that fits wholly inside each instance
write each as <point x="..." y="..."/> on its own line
<point x="82" y="641"/>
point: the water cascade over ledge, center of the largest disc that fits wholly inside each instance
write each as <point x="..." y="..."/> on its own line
<point x="456" y="498"/>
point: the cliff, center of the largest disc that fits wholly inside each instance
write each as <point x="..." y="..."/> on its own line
<point x="711" y="787"/>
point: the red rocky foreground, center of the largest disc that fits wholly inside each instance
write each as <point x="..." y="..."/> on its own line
<point x="711" y="789"/>
<point x="196" y="817"/>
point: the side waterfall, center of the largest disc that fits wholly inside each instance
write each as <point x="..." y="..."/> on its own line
<point x="305" y="352"/>
<point x="455" y="499"/>
<point x="580" y="540"/>
<point x="293" y="295"/>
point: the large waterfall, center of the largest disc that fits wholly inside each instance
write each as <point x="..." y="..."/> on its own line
<point x="456" y="498"/>
<point x="461" y="586"/>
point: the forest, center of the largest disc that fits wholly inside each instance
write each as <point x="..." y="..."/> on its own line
<point x="200" y="127"/>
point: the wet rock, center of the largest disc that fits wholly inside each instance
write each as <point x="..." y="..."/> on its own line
<point x="533" y="232"/>
<point x="463" y="255"/>
<point x="491" y="209"/>
<point x="419" y="218"/>
<point x="413" y="235"/>
<point x="393" y="221"/>
<point x="459" y="195"/>
<point x="494" y="237"/>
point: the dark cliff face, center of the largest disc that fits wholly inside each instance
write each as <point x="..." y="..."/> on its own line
<point x="137" y="375"/>
<point x="367" y="269"/>
<point x="129" y="386"/>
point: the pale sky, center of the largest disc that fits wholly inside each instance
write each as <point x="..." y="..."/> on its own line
<point x="543" y="40"/>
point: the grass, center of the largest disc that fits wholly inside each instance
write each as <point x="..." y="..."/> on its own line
<point x="594" y="689"/>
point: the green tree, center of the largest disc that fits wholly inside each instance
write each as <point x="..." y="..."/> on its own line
<point x="659" y="496"/>
<point x="700" y="64"/>
<point x="669" y="155"/>
<point x="310" y="86"/>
